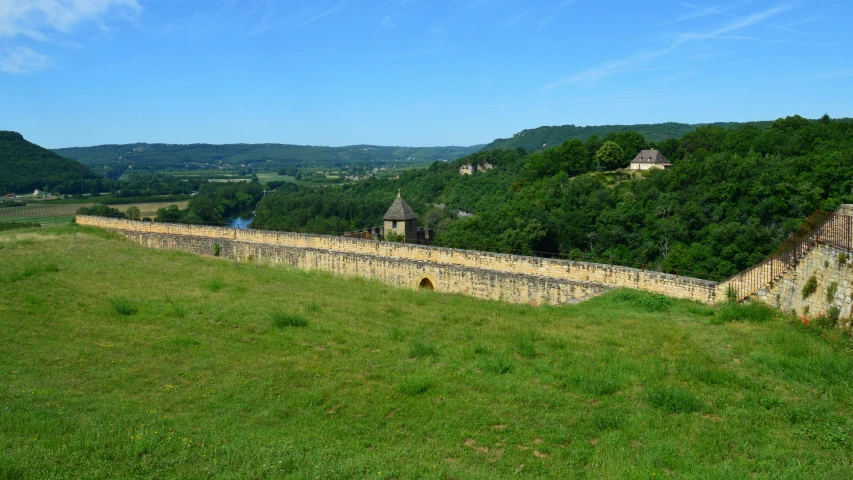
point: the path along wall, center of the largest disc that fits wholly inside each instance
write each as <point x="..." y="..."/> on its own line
<point x="487" y="275"/>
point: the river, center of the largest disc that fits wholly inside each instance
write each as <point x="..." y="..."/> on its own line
<point x="240" y="221"/>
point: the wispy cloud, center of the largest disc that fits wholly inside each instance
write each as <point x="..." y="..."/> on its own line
<point x="42" y="21"/>
<point x="35" y="19"/>
<point x="728" y="31"/>
<point x="22" y="60"/>
<point x="700" y="12"/>
<point x="325" y="13"/>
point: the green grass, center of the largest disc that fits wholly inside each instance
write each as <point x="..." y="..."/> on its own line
<point x="123" y="362"/>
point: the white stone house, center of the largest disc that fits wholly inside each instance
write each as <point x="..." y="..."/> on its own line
<point x="648" y="159"/>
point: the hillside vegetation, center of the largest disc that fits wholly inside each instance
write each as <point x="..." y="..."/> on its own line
<point x="158" y="156"/>
<point x="732" y="197"/>
<point x="25" y="166"/>
<point x="547" y="137"/>
<point x="123" y="362"/>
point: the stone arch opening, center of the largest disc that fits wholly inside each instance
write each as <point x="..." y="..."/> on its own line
<point x="426" y="284"/>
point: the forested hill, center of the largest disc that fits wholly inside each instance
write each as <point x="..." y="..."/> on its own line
<point x="25" y="166"/>
<point x="158" y="156"/>
<point x="732" y="197"/>
<point x="546" y="137"/>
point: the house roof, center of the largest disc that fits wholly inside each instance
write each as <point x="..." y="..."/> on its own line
<point x="651" y="156"/>
<point x="400" y="210"/>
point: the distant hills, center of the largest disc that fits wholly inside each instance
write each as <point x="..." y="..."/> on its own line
<point x="25" y="166"/>
<point x="546" y="137"/>
<point x="159" y="156"/>
<point x="114" y="159"/>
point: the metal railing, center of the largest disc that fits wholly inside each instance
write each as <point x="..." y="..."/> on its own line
<point x="821" y="227"/>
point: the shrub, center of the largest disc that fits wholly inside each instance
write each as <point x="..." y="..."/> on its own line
<point x="392" y="236"/>
<point x="123" y="306"/>
<point x="731" y="294"/>
<point x="674" y="400"/>
<point x="418" y="349"/>
<point x="810" y="287"/>
<point x="831" y="318"/>
<point x="650" y="302"/>
<point x="830" y="291"/>
<point x="842" y="259"/>
<point x="281" y="320"/>
<point x="747" y="312"/>
<point x="100" y="210"/>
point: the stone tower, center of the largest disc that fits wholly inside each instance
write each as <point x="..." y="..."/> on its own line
<point x="401" y="219"/>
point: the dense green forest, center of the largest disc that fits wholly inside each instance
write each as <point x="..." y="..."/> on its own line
<point x="115" y="159"/>
<point x="547" y="137"/>
<point x="25" y="166"/>
<point x="733" y="196"/>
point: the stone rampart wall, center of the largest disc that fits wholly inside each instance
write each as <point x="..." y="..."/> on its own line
<point x="829" y="265"/>
<point x="607" y="276"/>
<point x="480" y="283"/>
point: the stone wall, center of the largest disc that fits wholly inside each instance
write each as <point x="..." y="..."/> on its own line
<point x="828" y="265"/>
<point x="476" y="282"/>
<point x="489" y="268"/>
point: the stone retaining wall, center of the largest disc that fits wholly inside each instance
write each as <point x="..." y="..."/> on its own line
<point x="480" y="283"/>
<point x="506" y="270"/>
<point x="829" y="265"/>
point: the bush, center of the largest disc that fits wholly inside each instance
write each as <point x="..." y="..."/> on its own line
<point x="392" y="236"/>
<point x="731" y="294"/>
<point x="650" y="302"/>
<point x="842" y="259"/>
<point x="281" y="320"/>
<point x="831" y="318"/>
<point x="810" y="287"/>
<point x="830" y="291"/>
<point x="747" y="312"/>
<point x="123" y="306"/>
<point x="674" y="400"/>
<point x="100" y="210"/>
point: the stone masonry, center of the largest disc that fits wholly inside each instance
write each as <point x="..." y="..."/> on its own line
<point x="513" y="278"/>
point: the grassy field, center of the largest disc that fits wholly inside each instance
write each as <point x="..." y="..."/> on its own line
<point x="267" y="177"/>
<point x="150" y="209"/>
<point x="44" y="214"/>
<point x="122" y="362"/>
<point x="59" y="214"/>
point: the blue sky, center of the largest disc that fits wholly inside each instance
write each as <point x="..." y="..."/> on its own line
<point x="409" y="72"/>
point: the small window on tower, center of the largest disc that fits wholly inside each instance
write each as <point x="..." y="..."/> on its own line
<point x="394" y="224"/>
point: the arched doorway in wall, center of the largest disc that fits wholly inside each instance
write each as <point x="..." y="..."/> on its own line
<point x="426" y="284"/>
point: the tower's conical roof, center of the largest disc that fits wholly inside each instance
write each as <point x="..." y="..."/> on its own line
<point x="400" y="210"/>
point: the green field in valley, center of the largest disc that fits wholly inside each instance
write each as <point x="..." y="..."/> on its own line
<point x="43" y="214"/>
<point x="123" y="362"/>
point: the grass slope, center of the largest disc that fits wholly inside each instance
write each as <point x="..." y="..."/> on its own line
<point x="123" y="362"/>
